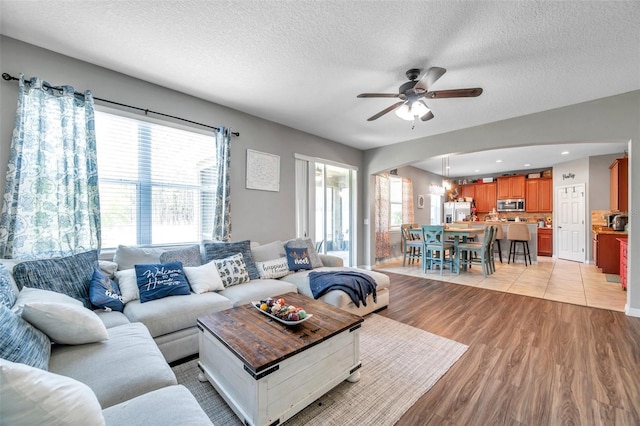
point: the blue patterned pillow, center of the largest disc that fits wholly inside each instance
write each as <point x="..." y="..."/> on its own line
<point x="232" y="270"/>
<point x="298" y="258"/>
<point x="215" y="250"/>
<point x="69" y="275"/>
<point x="156" y="281"/>
<point x="7" y="296"/>
<point x="104" y="292"/>
<point x="22" y="342"/>
<point x="189" y="256"/>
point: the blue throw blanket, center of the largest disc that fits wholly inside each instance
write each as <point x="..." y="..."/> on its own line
<point x="356" y="284"/>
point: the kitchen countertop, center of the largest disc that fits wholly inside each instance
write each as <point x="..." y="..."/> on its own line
<point x="598" y="229"/>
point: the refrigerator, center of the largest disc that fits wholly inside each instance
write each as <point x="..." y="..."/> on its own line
<point x="456" y="211"/>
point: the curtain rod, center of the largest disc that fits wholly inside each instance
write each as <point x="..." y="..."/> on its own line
<point x="9" y="77"/>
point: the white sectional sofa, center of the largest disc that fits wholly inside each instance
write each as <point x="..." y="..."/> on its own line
<point x="127" y="368"/>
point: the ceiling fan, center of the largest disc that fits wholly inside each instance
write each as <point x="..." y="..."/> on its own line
<point x="411" y="93"/>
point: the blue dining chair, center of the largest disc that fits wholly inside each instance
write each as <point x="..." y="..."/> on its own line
<point x="480" y="252"/>
<point x="411" y="244"/>
<point x="435" y="249"/>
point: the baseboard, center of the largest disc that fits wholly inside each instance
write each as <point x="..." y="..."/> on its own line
<point x="632" y="312"/>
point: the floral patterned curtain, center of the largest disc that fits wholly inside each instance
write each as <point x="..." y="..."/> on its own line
<point x="51" y="201"/>
<point x="407" y="201"/>
<point x="383" y="246"/>
<point x="222" y="209"/>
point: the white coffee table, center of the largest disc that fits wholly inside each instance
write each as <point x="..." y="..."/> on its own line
<point x="267" y="371"/>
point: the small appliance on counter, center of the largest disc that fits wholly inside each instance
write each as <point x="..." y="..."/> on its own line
<point x="619" y="222"/>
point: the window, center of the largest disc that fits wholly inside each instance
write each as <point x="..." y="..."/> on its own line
<point x="395" y="202"/>
<point x="436" y="207"/>
<point x="157" y="183"/>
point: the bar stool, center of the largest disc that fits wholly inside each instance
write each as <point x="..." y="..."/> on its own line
<point x="519" y="233"/>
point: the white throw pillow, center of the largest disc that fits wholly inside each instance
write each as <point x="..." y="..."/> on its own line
<point x="36" y="295"/>
<point x="204" y="278"/>
<point x="128" y="283"/>
<point x="31" y="396"/>
<point x="276" y="268"/>
<point x="65" y="323"/>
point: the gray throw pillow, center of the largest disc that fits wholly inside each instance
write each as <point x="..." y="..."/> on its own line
<point x="188" y="256"/>
<point x="69" y="275"/>
<point x="266" y="252"/>
<point x="128" y="256"/>
<point x="215" y="250"/>
<point x="306" y="243"/>
<point x="22" y="342"/>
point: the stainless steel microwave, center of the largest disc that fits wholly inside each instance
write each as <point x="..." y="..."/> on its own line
<point x="516" y="205"/>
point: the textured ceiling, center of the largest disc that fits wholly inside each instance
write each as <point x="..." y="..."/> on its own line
<point x="303" y="63"/>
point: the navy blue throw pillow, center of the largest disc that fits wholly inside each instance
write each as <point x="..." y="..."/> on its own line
<point x="298" y="258"/>
<point x="156" y="281"/>
<point x="104" y="292"/>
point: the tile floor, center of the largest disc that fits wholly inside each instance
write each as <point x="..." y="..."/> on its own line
<point x="549" y="278"/>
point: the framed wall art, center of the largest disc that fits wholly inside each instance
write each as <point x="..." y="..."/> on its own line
<point x="420" y="201"/>
<point x="263" y="171"/>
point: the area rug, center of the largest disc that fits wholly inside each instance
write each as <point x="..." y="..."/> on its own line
<point x="613" y="278"/>
<point x="399" y="364"/>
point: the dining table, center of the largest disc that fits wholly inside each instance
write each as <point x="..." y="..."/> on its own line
<point x="456" y="235"/>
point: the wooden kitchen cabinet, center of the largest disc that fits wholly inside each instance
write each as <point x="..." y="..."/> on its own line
<point x="485" y="197"/>
<point x="623" y="262"/>
<point x="606" y="251"/>
<point x="539" y="195"/>
<point x="619" y="191"/>
<point x="545" y="242"/>
<point x="510" y="187"/>
<point x="468" y="190"/>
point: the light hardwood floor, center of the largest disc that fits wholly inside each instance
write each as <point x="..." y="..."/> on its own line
<point x="530" y="361"/>
<point x="551" y="279"/>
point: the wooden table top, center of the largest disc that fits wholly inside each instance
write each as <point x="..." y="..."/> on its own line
<point x="261" y="342"/>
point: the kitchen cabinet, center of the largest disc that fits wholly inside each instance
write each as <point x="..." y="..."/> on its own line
<point x="606" y="251"/>
<point x="623" y="262"/>
<point x="485" y="197"/>
<point x="545" y="242"/>
<point x="539" y="195"/>
<point x="468" y="190"/>
<point x="619" y="190"/>
<point x="510" y="187"/>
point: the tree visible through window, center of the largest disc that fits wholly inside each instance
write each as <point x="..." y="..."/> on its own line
<point x="157" y="183"/>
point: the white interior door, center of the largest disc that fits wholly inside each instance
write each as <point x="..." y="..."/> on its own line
<point x="570" y="224"/>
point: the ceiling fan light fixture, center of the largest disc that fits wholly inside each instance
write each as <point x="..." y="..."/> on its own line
<point x="410" y="113"/>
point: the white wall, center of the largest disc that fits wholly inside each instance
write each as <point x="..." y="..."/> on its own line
<point x="257" y="215"/>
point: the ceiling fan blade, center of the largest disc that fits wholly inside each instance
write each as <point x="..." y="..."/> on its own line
<point x="378" y="95"/>
<point x="384" y="111"/>
<point x="427" y="116"/>
<point x="455" y="93"/>
<point x="427" y="80"/>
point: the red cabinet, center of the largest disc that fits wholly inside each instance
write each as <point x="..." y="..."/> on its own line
<point x="623" y="262"/>
<point x="539" y="195"/>
<point x="545" y="242"/>
<point x="511" y="187"/>
<point x="607" y="251"/>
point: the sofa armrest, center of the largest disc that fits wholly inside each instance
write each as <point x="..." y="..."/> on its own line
<point x="329" y="260"/>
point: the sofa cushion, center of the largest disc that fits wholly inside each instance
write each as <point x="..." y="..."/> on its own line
<point x="335" y="298"/>
<point x="128" y="256"/>
<point x="232" y="270"/>
<point x="69" y="275"/>
<point x="31" y="396"/>
<point x="266" y="252"/>
<point x="7" y="296"/>
<point x="128" y="283"/>
<point x="311" y="249"/>
<point x="156" y="281"/>
<point x="275" y="268"/>
<point x="242" y="294"/>
<point x="111" y="318"/>
<point x="22" y="342"/>
<point x="298" y="258"/>
<point x="104" y="292"/>
<point x="173" y="405"/>
<point x="66" y="324"/>
<point x="171" y="314"/>
<point x="189" y="256"/>
<point x="204" y="278"/>
<point x="220" y="250"/>
<point x="127" y="365"/>
<point x="35" y="295"/>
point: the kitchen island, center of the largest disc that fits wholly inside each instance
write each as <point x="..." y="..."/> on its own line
<point x="504" y="243"/>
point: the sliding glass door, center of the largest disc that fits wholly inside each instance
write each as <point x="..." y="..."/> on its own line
<point x="325" y="200"/>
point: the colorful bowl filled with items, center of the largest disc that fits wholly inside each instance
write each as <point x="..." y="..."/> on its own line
<point x="281" y="312"/>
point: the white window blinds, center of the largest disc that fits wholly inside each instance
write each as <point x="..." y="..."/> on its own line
<point x="157" y="183"/>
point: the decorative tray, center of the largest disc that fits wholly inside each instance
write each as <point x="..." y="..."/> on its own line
<point x="257" y="306"/>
